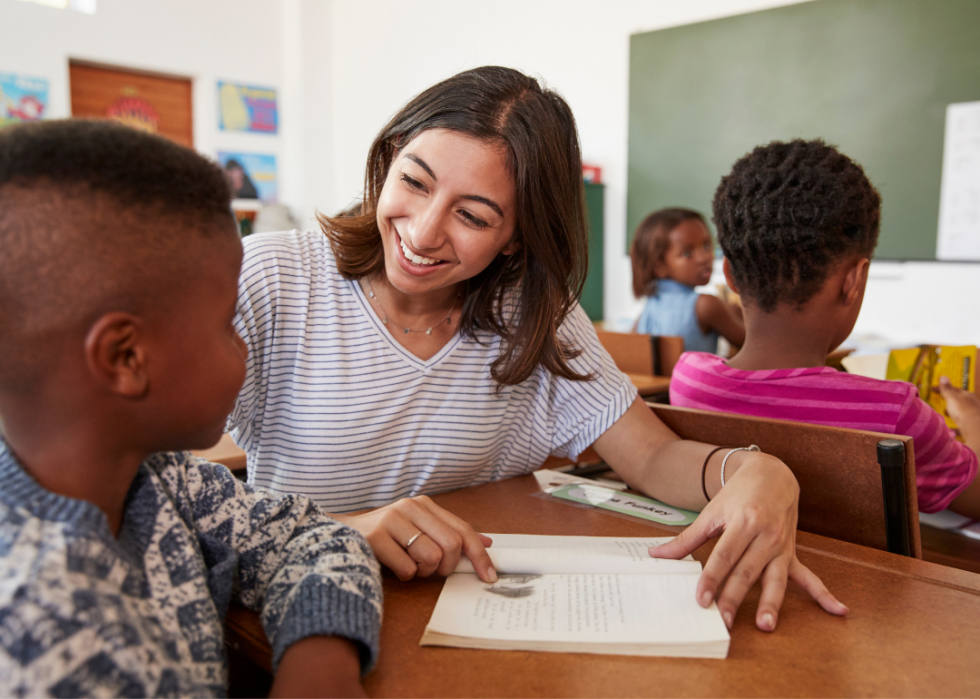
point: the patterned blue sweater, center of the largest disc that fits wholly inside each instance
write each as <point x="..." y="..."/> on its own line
<point x="84" y="613"/>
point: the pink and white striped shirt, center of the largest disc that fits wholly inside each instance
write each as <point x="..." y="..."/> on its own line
<point x="825" y="396"/>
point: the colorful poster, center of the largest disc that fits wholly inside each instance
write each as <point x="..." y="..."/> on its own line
<point x="22" y="98"/>
<point x="246" y="108"/>
<point x="252" y="175"/>
<point x="135" y="112"/>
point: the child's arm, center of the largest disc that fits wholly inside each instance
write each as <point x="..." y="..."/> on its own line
<point x="319" y="666"/>
<point x="309" y="575"/>
<point x="715" y="314"/>
<point x="964" y="408"/>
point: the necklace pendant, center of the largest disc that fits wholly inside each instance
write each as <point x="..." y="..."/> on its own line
<point x="371" y="294"/>
<point x="428" y="331"/>
<point x="385" y="320"/>
<point x="407" y="331"/>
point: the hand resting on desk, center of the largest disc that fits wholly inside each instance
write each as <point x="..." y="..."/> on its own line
<point x="443" y="538"/>
<point x="754" y="515"/>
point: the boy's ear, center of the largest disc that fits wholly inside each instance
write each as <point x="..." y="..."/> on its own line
<point x="855" y="280"/>
<point x="115" y="353"/>
<point x="729" y="278"/>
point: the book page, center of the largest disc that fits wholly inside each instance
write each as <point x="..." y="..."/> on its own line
<point x="529" y="554"/>
<point x="593" y="609"/>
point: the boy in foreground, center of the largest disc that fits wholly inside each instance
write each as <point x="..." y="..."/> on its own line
<point x="119" y="554"/>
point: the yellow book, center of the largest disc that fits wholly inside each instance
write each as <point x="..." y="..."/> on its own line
<point x="923" y="366"/>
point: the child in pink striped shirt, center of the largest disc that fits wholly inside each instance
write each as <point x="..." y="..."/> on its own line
<point x="798" y="223"/>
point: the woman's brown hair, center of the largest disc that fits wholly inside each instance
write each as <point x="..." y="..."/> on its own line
<point x="650" y="243"/>
<point x="536" y="128"/>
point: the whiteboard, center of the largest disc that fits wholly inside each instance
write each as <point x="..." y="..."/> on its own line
<point x="959" y="195"/>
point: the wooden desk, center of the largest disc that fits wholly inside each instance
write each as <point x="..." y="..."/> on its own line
<point x="649" y="385"/>
<point x="950" y="548"/>
<point x="225" y="452"/>
<point x="912" y="630"/>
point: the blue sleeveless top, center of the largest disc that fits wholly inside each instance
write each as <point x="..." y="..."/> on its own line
<point x="671" y="311"/>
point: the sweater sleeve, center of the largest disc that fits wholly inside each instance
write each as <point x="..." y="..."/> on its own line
<point x="305" y="572"/>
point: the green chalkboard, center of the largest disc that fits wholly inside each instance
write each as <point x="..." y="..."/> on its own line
<point x="592" y="292"/>
<point x="870" y="76"/>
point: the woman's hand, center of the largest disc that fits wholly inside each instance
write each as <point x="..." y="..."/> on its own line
<point x="442" y="538"/>
<point x="755" y="515"/>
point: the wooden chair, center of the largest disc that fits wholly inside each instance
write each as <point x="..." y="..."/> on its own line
<point x="845" y="493"/>
<point x="643" y="354"/>
<point x="225" y="452"/>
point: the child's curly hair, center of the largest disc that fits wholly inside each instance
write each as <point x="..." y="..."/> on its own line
<point x="650" y="243"/>
<point x="787" y="213"/>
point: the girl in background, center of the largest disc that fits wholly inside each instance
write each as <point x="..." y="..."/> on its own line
<point x="671" y="254"/>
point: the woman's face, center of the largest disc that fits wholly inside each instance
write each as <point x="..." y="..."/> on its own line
<point x="445" y="212"/>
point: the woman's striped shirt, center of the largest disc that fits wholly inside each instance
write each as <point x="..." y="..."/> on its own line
<point x="334" y="408"/>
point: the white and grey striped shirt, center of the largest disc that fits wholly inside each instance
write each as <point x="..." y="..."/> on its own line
<point x="334" y="408"/>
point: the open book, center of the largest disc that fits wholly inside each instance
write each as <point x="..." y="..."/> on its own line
<point x="578" y="594"/>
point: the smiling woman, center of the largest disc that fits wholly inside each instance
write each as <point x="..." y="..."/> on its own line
<point x="431" y="339"/>
<point x="459" y="172"/>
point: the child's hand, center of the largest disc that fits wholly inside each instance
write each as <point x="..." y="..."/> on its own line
<point x="319" y="666"/>
<point x="438" y="538"/>
<point x="962" y="406"/>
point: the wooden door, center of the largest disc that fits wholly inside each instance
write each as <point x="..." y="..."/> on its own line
<point x="150" y="102"/>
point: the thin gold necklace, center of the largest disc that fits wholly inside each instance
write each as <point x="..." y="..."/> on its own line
<point x="388" y="321"/>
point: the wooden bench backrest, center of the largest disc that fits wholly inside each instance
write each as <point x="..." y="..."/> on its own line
<point x="642" y="354"/>
<point x="837" y="468"/>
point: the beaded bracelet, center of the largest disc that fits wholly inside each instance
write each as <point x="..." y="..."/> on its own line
<point x="704" y="469"/>
<point x="751" y="447"/>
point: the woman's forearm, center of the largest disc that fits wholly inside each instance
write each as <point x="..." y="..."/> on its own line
<point x="651" y="458"/>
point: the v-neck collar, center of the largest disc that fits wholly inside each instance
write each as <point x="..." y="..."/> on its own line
<point x="382" y="330"/>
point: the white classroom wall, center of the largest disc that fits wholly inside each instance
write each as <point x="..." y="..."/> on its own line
<point x="343" y="67"/>
<point x="382" y="52"/>
<point x="205" y="40"/>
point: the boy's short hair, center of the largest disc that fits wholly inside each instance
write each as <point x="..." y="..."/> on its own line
<point x="135" y="168"/>
<point x="650" y="244"/>
<point x="94" y="217"/>
<point x="788" y="213"/>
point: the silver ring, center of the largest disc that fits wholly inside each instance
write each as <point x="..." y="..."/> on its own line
<point x="412" y="540"/>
